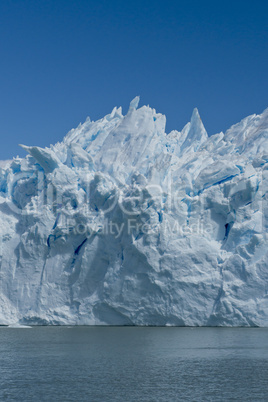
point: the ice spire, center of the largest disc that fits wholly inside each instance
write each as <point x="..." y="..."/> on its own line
<point x="197" y="133"/>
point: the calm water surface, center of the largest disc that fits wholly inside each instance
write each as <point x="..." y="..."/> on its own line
<point x="133" y="364"/>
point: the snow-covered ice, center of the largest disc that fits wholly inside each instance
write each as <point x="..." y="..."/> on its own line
<point x="123" y="224"/>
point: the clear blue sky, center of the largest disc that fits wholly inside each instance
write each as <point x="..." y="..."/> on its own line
<point x="62" y="60"/>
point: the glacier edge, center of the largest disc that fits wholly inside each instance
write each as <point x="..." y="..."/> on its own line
<point x="123" y="224"/>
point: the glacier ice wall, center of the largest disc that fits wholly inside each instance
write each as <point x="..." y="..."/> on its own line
<point x="123" y="224"/>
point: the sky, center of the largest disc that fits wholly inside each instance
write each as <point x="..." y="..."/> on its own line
<point x="64" y="60"/>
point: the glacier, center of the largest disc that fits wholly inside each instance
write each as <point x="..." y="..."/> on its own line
<point x="123" y="224"/>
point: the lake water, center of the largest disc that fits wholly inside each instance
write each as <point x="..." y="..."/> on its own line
<point x="133" y="364"/>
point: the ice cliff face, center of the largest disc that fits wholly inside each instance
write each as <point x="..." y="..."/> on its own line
<point x="121" y="223"/>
